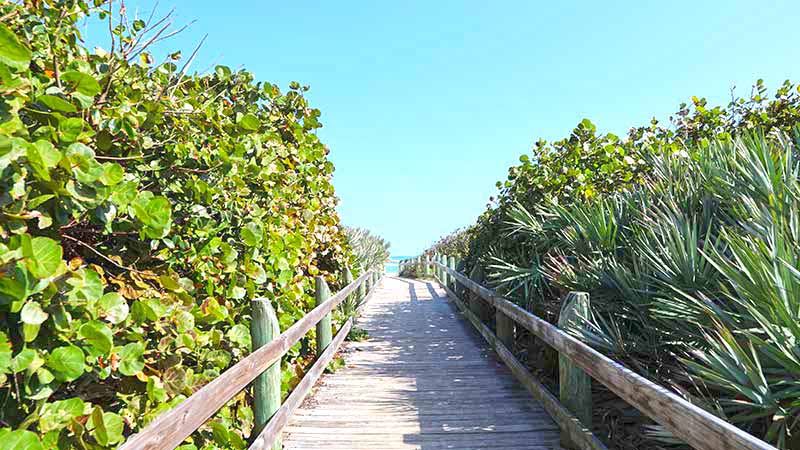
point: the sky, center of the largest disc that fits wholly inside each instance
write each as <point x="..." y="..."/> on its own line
<point x="425" y="104"/>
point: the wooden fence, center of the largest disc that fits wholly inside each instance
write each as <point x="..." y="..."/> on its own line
<point x="262" y="368"/>
<point x="577" y="363"/>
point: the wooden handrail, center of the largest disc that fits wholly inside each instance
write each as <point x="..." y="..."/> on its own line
<point x="697" y="427"/>
<point x="171" y="428"/>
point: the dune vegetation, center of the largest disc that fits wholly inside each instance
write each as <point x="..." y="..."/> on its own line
<point x="142" y="207"/>
<point x="687" y="239"/>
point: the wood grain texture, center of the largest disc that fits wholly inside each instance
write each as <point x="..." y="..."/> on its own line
<point x="695" y="426"/>
<point x="271" y="433"/>
<point x="324" y="331"/>
<point x="168" y="430"/>
<point x="571" y="428"/>
<point x="575" y="386"/>
<point x="264" y="328"/>
<point x="422" y="380"/>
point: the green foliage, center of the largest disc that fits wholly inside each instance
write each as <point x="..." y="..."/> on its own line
<point x="686" y="240"/>
<point x="412" y="270"/>
<point x="454" y="244"/>
<point x="140" y="209"/>
<point x="369" y="250"/>
<point x="357" y="334"/>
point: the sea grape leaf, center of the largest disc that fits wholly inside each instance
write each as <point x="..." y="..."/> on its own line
<point x="42" y="256"/>
<point x="113" y="307"/>
<point x="33" y="314"/>
<point x="131" y="359"/>
<point x="12" y="51"/>
<point x="252" y="233"/>
<point x="70" y="128"/>
<point x="112" y="174"/>
<point x="106" y="427"/>
<point x="239" y="334"/>
<point x="56" y="103"/>
<point x="23" y="360"/>
<point x="86" y="285"/>
<point x="21" y="440"/>
<point x="57" y="415"/>
<point x="98" y="335"/>
<point x="155" y="213"/>
<point x="84" y="166"/>
<point x="249" y="122"/>
<point x="81" y="82"/>
<point x="67" y="362"/>
<point x="42" y="156"/>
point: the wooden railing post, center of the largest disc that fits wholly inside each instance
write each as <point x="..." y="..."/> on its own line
<point x="504" y="326"/>
<point x="348" y="278"/>
<point x="458" y="288"/>
<point x="267" y="386"/>
<point x="443" y="261"/>
<point x="575" y="386"/>
<point x="362" y="291"/>
<point x="324" y="333"/>
<point x="451" y="263"/>
<point x="427" y="265"/>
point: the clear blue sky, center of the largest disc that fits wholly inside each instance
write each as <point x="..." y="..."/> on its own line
<point x="425" y="104"/>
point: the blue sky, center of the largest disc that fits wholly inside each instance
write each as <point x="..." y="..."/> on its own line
<point x="425" y="104"/>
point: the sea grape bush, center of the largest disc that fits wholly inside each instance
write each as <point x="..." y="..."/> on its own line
<point x="454" y="244"/>
<point x="141" y="209"/>
<point x="686" y="239"/>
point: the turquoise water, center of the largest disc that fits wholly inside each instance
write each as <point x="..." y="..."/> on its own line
<point x="392" y="267"/>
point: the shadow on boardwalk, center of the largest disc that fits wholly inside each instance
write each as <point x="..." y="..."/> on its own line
<point x="423" y="380"/>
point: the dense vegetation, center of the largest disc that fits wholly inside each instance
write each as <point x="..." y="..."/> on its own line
<point x="687" y="239"/>
<point x="369" y="250"/>
<point x="141" y="208"/>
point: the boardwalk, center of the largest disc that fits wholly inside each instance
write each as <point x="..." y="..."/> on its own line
<point x="423" y="380"/>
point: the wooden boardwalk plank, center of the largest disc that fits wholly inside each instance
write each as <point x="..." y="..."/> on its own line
<point x="423" y="380"/>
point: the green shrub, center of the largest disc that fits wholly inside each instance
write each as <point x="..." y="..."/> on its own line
<point x="369" y="250"/>
<point x="142" y="208"/>
<point x="686" y="240"/>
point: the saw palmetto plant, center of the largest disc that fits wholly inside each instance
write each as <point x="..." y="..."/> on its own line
<point x="694" y="276"/>
<point x="369" y="250"/>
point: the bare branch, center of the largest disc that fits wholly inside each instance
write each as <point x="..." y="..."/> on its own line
<point x="96" y="252"/>
<point x="187" y="64"/>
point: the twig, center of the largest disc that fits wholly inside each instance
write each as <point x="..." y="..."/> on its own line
<point x="186" y="65"/>
<point x="173" y="33"/>
<point x="152" y="12"/>
<point x="56" y="71"/>
<point x="9" y="15"/>
<point x="96" y="252"/>
<point x="134" y="52"/>
<point x="120" y="158"/>
<point x="186" y="169"/>
<point x="111" y="25"/>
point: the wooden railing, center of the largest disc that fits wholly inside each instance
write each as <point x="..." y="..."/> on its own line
<point x="578" y="362"/>
<point x="171" y="428"/>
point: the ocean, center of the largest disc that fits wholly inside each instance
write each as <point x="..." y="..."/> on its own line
<point x="392" y="265"/>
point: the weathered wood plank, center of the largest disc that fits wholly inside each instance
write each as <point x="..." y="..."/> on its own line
<point x="569" y="424"/>
<point x="698" y="428"/>
<point x="271" y="432"/>
<point x="423" y="379"/>
<point x="574" y="385"/>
